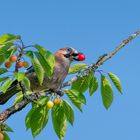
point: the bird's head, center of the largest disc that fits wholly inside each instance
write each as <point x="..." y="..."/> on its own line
<point x="68" y="54"/>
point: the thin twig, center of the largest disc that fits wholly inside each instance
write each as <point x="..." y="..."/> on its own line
<point x="19" y="106"/>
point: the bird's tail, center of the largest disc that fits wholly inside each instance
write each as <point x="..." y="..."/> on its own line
<point x="12" y="90"/>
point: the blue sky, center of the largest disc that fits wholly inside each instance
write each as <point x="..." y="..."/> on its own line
<point x="93" y="27"/>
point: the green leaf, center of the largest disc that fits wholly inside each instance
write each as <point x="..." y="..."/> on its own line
<point x="5" y="47"/>
<point x="42" y="101"/>
<point x="2" y="58"/>
<point x="43" y="63"/>
<point x="28" y="117"/>
<point x="26" y="82"/>
<point x="29" y="54"/>
<point x="6" y="137"/>
<point x="3" y="70"/>
<point x="106" y="91"/>
<point x="82" y="84"/>
<point x="74" y="99"/>
<point x="69" y="113"/>
<point x="82" y="98"/>
<point x="6" y="55"/>
<point x="38" y="70"/>
<point x="77" y="68"/>
<point x="8" y="37"/>
<point x="93" y="85"/>
<point x="116" y="81"/>
<point x="38" y="120"/>
<point x="3" y="79"/>
<point x="48" y="57"/>
<point x="8" y="128"/>
<point x="6" y="85"/>
<point x="59" y="120"/>
<point x="18" y="98"/>
<point x="19" y="76"/>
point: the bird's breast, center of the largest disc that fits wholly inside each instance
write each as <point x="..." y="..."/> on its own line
<point x="60" y="73"/>
<point x="53" y="83"/>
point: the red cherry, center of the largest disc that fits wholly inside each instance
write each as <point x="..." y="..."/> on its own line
<point x="13" y="58"/>
<point x="81" y="57"/>
<point x="19" y="64"/>
<point x="8" y="64"/>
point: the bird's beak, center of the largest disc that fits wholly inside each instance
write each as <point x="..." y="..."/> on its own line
<point x="74" y="55"/>
<point x="71" y="54"/>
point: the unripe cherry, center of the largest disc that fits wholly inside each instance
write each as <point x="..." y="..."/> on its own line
<point x="13" y="58"/>
<point x="57" y="100"/>
<point x="19" y="64"/>
<point x="50" y="104"/>
<point x="8" y="64"/>
<point x="81" y="57"/>
<point x="25" y="64"/>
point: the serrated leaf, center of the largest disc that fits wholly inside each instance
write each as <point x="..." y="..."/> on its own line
<point x="48" y="57"/>
<point x="8" y="128"/>
<point x="2" y="58"/>
<point x="74" y="99"/>
<point x="6" y="55"/>
<point x="77" y="68"/>
<point x="106" y="92"/>
<point x="116" y="81"/>
<point x="93" y="85"/>
<point x="18" y="98"/>
<point x="19" y="76"/>
<point x="59" y="120"/>
<point x="82" y="84"/>
<point x="82" y="98"/>
<point x="68" y="112"/>
<point x="6" y="85"/>
<point x="6" y="137"/>
<point x="42" y="101"/>
<point x="39" y="119"/>
<point x="28" y="117"/>
<point x="3" y="70"/>
<point x="3" y="79"/>
<point x="38" y="70"/>
<point x="26" y="82"/>
<point x="5" y="47"/>
<point x="8" y="37"/>
<point x="29" y="54"/>
<point x="43" y="63"/>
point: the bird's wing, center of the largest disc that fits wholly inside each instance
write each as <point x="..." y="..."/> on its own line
<point x="29" y="70"/>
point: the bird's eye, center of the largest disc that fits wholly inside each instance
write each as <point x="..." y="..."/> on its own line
<point x="69" y="49"/>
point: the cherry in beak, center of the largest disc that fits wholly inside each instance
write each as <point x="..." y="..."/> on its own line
<point x="79" y="57"/>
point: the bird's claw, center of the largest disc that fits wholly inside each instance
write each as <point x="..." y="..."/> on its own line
<point x="29" y="98"/>
<point x="60" y="92"/>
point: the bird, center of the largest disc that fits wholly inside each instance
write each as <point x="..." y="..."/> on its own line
<point x="63" y="58"/>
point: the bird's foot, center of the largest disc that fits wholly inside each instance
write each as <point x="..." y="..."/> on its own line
<point x="29" y="98"/>
<point x="60" y="92"/>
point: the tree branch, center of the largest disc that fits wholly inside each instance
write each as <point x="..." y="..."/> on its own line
<point x="19" y="106"/>
<point x="95" y="66"/>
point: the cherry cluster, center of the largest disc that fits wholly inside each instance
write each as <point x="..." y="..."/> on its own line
<point x="56" y="101"/>
<point x="19" y="64"/>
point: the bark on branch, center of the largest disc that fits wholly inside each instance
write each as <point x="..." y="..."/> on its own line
<point x="19" y="106"/>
